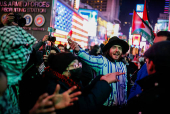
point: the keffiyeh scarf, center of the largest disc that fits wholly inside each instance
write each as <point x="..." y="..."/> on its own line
<point x="16" y="46"/>
<point x="49" y="73"/>
<point x="8" y="102"/>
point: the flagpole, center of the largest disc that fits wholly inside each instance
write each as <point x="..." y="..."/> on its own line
<point x="132" y="21"/>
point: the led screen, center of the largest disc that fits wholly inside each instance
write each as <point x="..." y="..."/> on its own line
<point x="139" y="7"/>
<point x="63" y="18"/>
<point x="91" y="16"/>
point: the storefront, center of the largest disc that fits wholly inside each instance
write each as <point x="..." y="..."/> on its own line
<point x="50" y="13"/>
<point x="35" y="12"/>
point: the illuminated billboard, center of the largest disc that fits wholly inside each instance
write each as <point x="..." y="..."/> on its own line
<point x="116" y="29"/>
<point x="63" y="18"/>
<point x="130" y="41"/>
<point x="102" y="29"/>
<point x="139" y="7"/>
<point x="76" y="4"/>
<point x="91" y="16"/>
<point x="65" y="21"/>
<point x="161" y="25"/>
<point x="109" y="28"/>
<point x="136" y="40"/>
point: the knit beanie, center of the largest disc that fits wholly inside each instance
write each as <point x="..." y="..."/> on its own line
<point x="60" y="61"/>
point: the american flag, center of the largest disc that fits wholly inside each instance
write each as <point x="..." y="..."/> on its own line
<point x="67" y="20"/>
<point x="79" y="30"/>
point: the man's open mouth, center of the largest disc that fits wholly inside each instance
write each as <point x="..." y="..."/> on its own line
<point x="117" y="54"/>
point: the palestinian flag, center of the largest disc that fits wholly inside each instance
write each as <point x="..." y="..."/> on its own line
<point x="139" y="26"/>
<point x="70" y="34"/>
<point x="145" y="16"/>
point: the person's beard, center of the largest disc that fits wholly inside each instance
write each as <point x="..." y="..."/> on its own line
<point x="116" y="54"/>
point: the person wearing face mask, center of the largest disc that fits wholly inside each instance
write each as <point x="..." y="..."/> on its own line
<point x="109" y="62"/>
<point x="60" y="100"/>
<point x="64" y="69"/>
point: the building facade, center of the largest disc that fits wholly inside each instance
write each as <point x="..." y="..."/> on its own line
<point x="108" y="8"/>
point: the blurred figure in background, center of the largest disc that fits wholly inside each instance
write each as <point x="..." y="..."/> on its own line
<point x="100" y="49"/>
<point x="95" y="50"/>
<point x="153" y="98"/>
<point x="136" y="89"/>
<point x="61" y="47"/>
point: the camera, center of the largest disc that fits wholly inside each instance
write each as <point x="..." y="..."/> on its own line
<point x="19" y="19"/>
<point x="52" y="39"/>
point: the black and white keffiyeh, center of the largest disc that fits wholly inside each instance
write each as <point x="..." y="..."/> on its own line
<point x="16" y="46"/>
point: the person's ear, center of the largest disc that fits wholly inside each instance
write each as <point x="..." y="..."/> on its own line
<point x="151" y="66"/>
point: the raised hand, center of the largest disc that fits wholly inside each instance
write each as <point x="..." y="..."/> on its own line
<point x="73" y="45"/>
<point x="111" y="77"/>
<point x="65" y="99"/>
<point x="45" y="38"/>
<point x="8" y="19"/>
<point x="41" y="104"/>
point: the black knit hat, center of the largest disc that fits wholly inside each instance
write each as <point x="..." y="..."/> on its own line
<point x="159" y="53"/>
<point x="116" y="41"/>
<point x="60" y="61"/>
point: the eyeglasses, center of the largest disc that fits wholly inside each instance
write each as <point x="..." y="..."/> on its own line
<point x="75" y="65"/>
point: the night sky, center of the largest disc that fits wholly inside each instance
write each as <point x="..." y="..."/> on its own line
<point x="155" y="7"/>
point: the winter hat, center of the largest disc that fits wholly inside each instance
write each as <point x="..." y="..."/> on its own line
<point x="60" y="61"/>
<point x="159" y="53"/>
<point x="116" y="41"/>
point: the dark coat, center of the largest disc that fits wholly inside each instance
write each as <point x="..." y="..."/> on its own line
<point x="92" y="98"/>
<point x="154" y="96"/>
<point x="29" y="84"/>
<point x="88" y="74"/>
<point x="1" y="25"/>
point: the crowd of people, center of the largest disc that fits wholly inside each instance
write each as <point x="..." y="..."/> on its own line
<point x="40" y="77"/>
